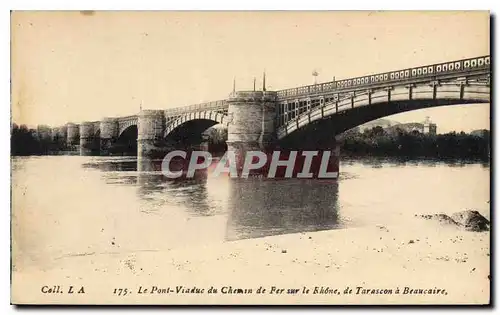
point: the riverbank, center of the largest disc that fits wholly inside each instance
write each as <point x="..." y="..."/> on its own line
<point x="423" y="255"/>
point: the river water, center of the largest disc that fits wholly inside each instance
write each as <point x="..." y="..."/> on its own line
<point x="73" y="204"/>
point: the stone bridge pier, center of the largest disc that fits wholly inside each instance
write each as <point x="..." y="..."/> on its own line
<point x="251" y="127"/>
<point x="150" y="135"/>
<point x="109" y="134"/>
<point x="73" y="136"/>
<point x="87" y="138"/>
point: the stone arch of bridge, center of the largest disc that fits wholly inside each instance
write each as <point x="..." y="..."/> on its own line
<point x="126" y="143"/>
<point x="125" y="125"/>
<point x="188" y="128"/>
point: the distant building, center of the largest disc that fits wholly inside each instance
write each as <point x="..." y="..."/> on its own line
<point x="429" y="127"/>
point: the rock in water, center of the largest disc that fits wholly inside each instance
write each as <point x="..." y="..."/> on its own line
<point x="468" y="220"/>
<point x="471" y="220"/>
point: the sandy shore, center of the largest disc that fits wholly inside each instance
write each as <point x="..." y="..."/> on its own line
<point x="422" y="255"/>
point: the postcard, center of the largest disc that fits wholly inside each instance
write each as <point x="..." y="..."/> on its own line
<point x="250" y="158"/>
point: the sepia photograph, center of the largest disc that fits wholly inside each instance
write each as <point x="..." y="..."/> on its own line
<point x="250" y="157"/>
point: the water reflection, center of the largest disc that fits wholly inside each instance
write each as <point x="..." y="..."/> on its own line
<point x="254" y="207"/>
<point x="115" y="164"/>
<point x="262" y="207"/>
<point x="148" y="184"/>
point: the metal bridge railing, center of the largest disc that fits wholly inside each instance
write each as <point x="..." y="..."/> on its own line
<point x="215" y="105"/>
<point x="433" y="70"/>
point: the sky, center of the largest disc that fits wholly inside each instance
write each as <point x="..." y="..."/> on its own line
<point x="70" y="66"/>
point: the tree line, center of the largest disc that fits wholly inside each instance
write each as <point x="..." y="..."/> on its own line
<point x="372" y="142"/>
<point x="379" y="142"/>
<point x="24" y="141"/>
